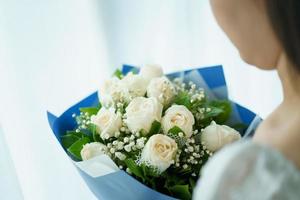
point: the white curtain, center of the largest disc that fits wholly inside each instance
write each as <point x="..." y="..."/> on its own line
<point x="55" y="52"/>
<point x="183" y="34"/>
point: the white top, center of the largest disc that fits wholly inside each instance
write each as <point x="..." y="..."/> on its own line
<point x="246" y="170"/>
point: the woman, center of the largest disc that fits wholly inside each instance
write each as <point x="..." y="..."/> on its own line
<point x="267" y="35"/>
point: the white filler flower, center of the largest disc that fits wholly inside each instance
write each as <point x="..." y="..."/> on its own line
<point x="159" y="152"/>
<point x="135" y="84"/>
<point x="93" y="149"/>
<point x="216" y="136"/>
<point x="108" y="122"/>
<point x="142" y="112"/>
<point x="180" y="116"/>
<point x="149" y="72"/>
<point x="162" y="89"/>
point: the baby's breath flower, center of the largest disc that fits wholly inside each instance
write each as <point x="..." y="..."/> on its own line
<point x="126" y="139"/>
<point x="140" y="143"/>
<point x="128" y="170"/>
<point x="117" y="134"/>
<point x="120" y="155"/>
<point x="112" y="150"/>
<point x="120" y="145"/>
<point x="180" y="134"/>
<point x="133" y="148"/>
<point x="127" y="148"/>
<point x="132" y="137"/>
<point x="191" y="149"/>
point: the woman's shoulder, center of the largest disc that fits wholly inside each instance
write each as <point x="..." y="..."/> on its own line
<point x="247" y="170"/>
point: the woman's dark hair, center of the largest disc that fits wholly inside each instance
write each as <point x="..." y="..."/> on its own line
<point x="285" y="19"/>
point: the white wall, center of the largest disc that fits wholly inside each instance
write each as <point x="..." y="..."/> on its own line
<point x="54" y="56"/>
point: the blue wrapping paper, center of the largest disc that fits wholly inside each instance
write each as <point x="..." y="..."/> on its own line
<point x="120" y="185"/>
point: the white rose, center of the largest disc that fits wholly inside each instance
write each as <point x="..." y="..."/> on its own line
<point x="149" y="72"/>
<point x="159" y="152"/>
<point x="112" y="91"/>
<point x="107" y="121"/>
<point x="93" y="149"/>
<point x="180" y="116"/>
<point x="216" y="136"/>
<point x="142" y="112"/>
<point x="162" y="89"/>
<point x="135" y="85"/>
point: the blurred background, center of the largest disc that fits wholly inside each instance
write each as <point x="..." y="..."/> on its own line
<point x="55" y="52"/>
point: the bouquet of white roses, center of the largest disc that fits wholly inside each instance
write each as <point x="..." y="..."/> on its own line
<point x="160" y="130"/>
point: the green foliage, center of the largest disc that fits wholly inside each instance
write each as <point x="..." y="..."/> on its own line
<point x="175" y="130"/>
<point x="134" y="168"/>
<point x="155" y="128"/>
<point x="224" y="110"/>
<point x="149" y="172"/>
<point x="73" y="142"/>
<point x="183" y="98"/>
<point x="118" y="74"/>
<point x="95" y="135"/>
<point x="197" y="138"/>
<point x="70" y="138"/>
<point x="192" y="183"/>
<point x="186" y="171"/>
<point x="76" y="147"/>
<point x="181" y="191"/>
<point x="219" y="112"/>
<point x="90" y="110"/>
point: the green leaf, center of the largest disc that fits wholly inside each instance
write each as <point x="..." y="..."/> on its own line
<point x="175" y="130"/>
<point x="215" y="112"/>
<point x="192" y="182"/>
<point x="181" y="191"/>
<point x="68" y="140"/>
<point x="197" y="138"/>
<point x="173" y="179"/>
<point x="95" y="134"/>
<point x="155" y="128"/>
<point x="134" y="168"/>
<point x="76" y="147"/>
<point x="222" y="110"/>
<point x="181" y="141"/>
<point x="183" y="98"/>
<point x="239" y="127"/>
<point x="118" y="74"/>
<point x="90" y="110"/>
<point x="185" y="171"/>
<point x="78" y="134"/>
<point x="149" y="172"/>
